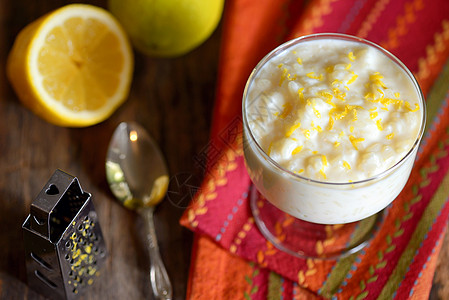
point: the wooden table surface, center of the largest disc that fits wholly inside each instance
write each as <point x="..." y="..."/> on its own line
<point x="173" y="99"/>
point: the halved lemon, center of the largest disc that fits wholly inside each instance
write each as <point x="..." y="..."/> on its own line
<point x="72" y="67"/>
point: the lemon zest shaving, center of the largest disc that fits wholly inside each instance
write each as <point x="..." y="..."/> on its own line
<point x="307" y="133"/>
<point x="354" y="114"/>
<point x="353" y="78"/>
<point x="292" y="129"/>
<point x="376" y="79"/>
<point x="336" y="81"/>
<point x="326" y="95"/>
<point x="313" y="76"/>
<point x="331" y="123"/>
<point x="290" y="77"/>
<point x="300" y="93"/>
<point x="351" y="56"/>
<point x="315" y="110"/>
<point x="346" y="165"/>
<point x="339" y="94"/>
<point x="376" y="76"/>
<point x="390" y="136"/>
<point x="297" y="150"/>
<point x="379" y="124"/>
<point x="370" y="97"/>
<point x="355" y="141"/>
<point x="409" y="107"/>
<point x="323" y="174"/>
<point x="324" y="160"/>
<point x="283" y="76"/>
<point x="287" y="110"/>
<point x="299" y="60"/>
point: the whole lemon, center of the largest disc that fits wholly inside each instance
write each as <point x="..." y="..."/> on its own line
<point x="167" y="28"/>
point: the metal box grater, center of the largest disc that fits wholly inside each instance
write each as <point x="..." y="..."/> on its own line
<point x="64" y="245"/>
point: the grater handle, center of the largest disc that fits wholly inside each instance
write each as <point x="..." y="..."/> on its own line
<point x="160" y="282"/>
<point x="46" y="201"/>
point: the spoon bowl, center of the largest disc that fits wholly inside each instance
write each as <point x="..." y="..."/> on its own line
<point x="138" y="177"/>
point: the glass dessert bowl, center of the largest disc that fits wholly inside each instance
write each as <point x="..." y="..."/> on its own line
<point x="331" y="128"/>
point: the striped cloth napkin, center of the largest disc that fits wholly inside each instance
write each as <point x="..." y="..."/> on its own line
<point x="230" y="258"/>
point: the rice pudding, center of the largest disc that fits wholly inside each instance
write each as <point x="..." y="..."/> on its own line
<point x="332" y="124"/>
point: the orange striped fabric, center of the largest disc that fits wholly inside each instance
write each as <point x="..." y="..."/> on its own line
<point x="230" y="259"/>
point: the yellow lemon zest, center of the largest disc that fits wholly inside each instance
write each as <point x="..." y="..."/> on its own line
<point x="379" y="124"/>
<point x="307" y="133"/>
<point x="326" y="95"/>
<point x="287" y="109"/>
<point x="355" y="141"/>
<point x="351" y="56"/>
<point x="283" y="76"/>
<point x="324" y="160"/>
<point x="376" y="76"/>
<point x="354" y="114"/>
<point x="409" y="107"/>
<point x="292" y="129"/>
<point x="290" y="77"/>
<point x="297" y="150"/>
<point x="353" y="78"/>
<point x="313" y="76"/>
<point x="331" y="123"/>
<point x="323" y="174"/>
<point x="335" y="82"/>
<point x="300" y="94"/>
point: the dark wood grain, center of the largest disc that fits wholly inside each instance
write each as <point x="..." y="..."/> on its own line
<point x="172" y="98"/>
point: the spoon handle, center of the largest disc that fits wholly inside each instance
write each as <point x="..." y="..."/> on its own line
<point x="160" y="282"/>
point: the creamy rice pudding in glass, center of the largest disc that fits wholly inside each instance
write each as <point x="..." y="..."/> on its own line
<point x="332" y="125"/>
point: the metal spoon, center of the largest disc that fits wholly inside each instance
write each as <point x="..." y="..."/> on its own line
<point x="138" y="177"/>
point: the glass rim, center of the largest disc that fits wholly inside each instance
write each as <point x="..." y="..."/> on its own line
<point x="338" y="36"/>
